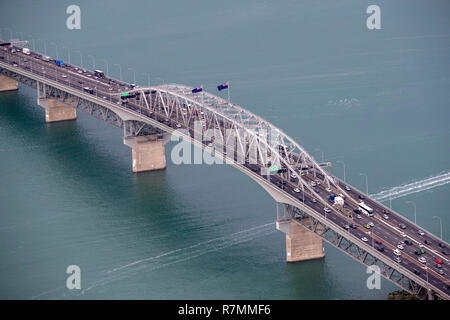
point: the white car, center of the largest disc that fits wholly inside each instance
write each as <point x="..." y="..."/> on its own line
<point x="397" y="252"/>
<point x="397" y="259"/>
<point x="341" y="195"/>
<point x="364" y="239"/>
<point x="358" y="216"/>
<point x="371" y="224"/>
<point x="422" y="260"/>
<point x="420" y="232"/>
<point x="347" y="188"/>
<point x="313" y="184"/>
<point x="403" y="234"/>
<point x="297" y="190"/>
<point x="327" y="210"/>
<point x="328" y="189"/>
<point x="420" y="245"/>
<point x="385" y="216"/>
<point x="401" y="247"/>
<point x="293" y="175"/>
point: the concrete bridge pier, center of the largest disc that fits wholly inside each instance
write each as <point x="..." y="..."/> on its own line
<point x="301" y="243"/>
<point x="8" y="84"/>
<point x="147" y="152"/>
<point x="56" y="110"/>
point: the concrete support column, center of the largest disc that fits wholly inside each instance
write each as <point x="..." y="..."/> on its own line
<point x="7" y="84"/>
<point x="302" y="244"/>
<point x="147" y="152"/>
<point x="56" y="110"/>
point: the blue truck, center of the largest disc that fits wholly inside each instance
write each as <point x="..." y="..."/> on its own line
<point x="59" y="63"/>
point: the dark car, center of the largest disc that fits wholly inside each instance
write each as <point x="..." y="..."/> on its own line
<point x="353" y="226"/>
<point x="361" y="197"/>
<point x="416" y="271"/>
<point x="441" y="245"/>
<point x="317" y="190"/>
<point x="380" y="248"/>
<point x="428" y="242"/>
<point x="378" y="242"/>
<point x="356" y="211"/>
<point x="438" y="266"/>
<point x="408" y="242"/>
<point x="445" y="252"/>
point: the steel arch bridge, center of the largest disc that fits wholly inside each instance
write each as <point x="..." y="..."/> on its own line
<point x="257" y="146"/>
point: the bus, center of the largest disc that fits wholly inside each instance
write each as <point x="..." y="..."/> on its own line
<point x="365" y="209"/>
<point x="99" y="73"/>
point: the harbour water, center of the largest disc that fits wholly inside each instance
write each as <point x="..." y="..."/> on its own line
<point x="375" y="99"/>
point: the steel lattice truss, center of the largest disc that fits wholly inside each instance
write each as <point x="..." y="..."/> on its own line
<point x="341" y="241"/>
<point x="255" y="140"/>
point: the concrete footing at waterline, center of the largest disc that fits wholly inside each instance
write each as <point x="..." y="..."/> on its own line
<point x="8" y="84"/>
<point x="301" y="243"/>
<point x="147" y="152"/>
<point x="56" y="111"/>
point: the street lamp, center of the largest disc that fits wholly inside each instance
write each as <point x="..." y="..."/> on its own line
<point x="414" y="204"/>
<point x="56" y="47"/>
<point x="440" y="222"/>
<point x="20" y="34"/>
<point x="120" y="69"/>
<point x="34" y="42"/>
<point x="68" y="53"/>
<point x="134" y="73"/>
<point x="45" y="46"/>
<point x="148" y="77"/>
<point x="93" y="59"/>
<point x="367" y="182"/>
<point x="322" y="153"/>
<point x="343" y="164"/>
<point x="81" y="57"/>
<point x="107" y="66"/>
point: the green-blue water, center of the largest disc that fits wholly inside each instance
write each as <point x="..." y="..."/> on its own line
<point x="377" y="100"/>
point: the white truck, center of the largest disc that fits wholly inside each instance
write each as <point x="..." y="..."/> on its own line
<point x="26" y="51"/>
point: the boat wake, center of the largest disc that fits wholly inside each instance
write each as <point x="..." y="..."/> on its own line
<point x="414" y="187"/>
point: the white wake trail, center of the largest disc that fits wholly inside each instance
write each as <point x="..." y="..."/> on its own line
<point x="413" y="187"/>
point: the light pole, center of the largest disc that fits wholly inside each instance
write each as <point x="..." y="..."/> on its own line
<point x="148" y="77"/>
<point x="56" y="47"/>
<point x="68" y="52"/>
<point x="134" y="73"/>
<point x="440" y="222"/>
<point x="414" y="204"/>
<point x="161" y="79"/>
<point x="120" y="69"/>
<point x="343" y="164"/>
<point x="321" y="152"/>
<point x="45" y="46"/>
<point x="81" y="58"/>
<point x="107" y="66"/>
<point x="367" y="182"/>
<point x="20" y="34"/>
<point x="34" y="42"/>
<point x="93" y="59"/>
